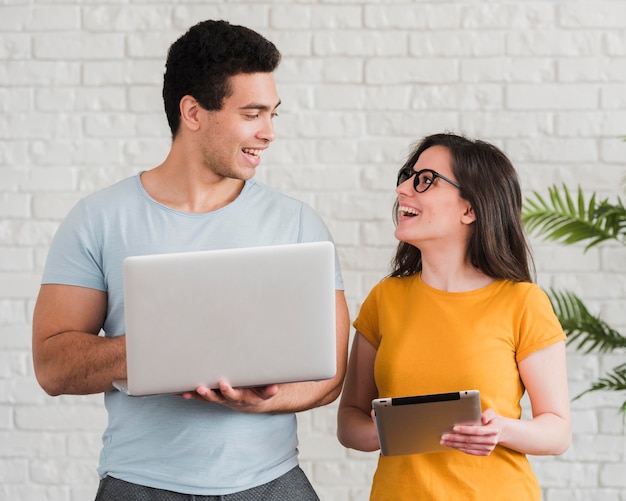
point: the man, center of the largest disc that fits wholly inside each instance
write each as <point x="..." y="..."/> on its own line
<point x="232" y="443"/>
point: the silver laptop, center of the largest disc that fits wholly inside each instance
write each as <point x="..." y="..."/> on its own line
<point x="249" y="316"/>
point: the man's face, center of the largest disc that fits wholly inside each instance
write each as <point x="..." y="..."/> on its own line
<point x="234" y="138"/>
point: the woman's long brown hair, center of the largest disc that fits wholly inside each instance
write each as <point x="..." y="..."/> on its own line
<point x="497" y="245"/>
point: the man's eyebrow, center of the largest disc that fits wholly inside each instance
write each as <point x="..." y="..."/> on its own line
<point x="257" y="106"/>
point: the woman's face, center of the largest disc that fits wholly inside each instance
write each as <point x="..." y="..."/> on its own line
<point x="437" y="215"/>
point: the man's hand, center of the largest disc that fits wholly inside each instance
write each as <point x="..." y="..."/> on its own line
<point x="248" y="400"/>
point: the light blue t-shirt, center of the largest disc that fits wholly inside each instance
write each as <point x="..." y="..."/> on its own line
<point x="165" y="441"/>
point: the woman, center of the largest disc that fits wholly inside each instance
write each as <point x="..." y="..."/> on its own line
<point x="459" y="311"/>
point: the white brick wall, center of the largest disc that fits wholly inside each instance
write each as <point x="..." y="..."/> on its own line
<point x="360" y="81"/>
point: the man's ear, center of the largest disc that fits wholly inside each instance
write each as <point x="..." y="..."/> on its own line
<point x="468" y="217"/>
<point x="189" y="113"/>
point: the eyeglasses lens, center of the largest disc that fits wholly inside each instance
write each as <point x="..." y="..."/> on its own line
<point x="405" y="175"/>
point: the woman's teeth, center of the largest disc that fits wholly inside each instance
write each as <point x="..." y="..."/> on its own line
<point x="408" y="211"/>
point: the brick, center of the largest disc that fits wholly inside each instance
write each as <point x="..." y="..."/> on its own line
<point x="393" y="70"/>
<point x="6" y="423"/>
<point x="592" y="123"/>
<point x="133" y="18"/>
<point x="360" y="43"/>
<point x="343" y="473"/>
<point x="554" y="97"/>
<point x="15" y="336"/>
<point x="13" y="156"/>
<point x="72" y="46"/>
<point x="320" y="447"/>
<point x="413" y="17"/>
<point x="467" y="44"/>
<point x="43" y="126"/>
<point x="550" y="43"/>
<point x="556" y="150"/>
<point x="254" y="15"/>
<point x="291" y="17"/>
<point x="596" y="15"/>
<point x="507" y="69"/>
<point x="612" y="475"/>
<point x="15" y="46"/>
<point x="294" y="43"/>
<point x="557" y="472"/>
<point x="54" y="18"/>
<point x="337" y="17"/>
<point x="26" y="444"/>
<point x="53" y="206"/>
<point x="35" y="73"/>
<point x="98" y="74"/>
<point x="14" y="18"/>
<point x="15" y="205"/>
<point x="11" y="312"/>
<point x="505" y="125"/>
<point x="596" y="448"/>
<point x="13" y="364"/>
<point x="61" y="471"/>
<point x="509" y="16"/>
<point x="61" y="418"/>
<point x="466" y="97"/>
<point x="615" y="43"/>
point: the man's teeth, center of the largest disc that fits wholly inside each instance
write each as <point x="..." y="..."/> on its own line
<point x="250" y="151"/>
<point x="408" y="211"/>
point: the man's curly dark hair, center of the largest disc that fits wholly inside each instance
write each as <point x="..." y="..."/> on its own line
<point x="201" y="62"/>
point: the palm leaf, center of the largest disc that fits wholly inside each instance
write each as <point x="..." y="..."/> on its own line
<point x="589" y="331"/>
<point x="614" y="381"/>
<point x="569" y="220"/>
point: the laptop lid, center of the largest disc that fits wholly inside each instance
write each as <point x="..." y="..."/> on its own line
<point x="250" y="316"/>
<point x="414" y="424"/>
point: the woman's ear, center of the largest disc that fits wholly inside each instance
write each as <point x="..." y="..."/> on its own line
<point x="468" y="217"/>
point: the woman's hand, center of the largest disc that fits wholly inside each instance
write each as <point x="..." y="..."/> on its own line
<point x="474" y="439"/>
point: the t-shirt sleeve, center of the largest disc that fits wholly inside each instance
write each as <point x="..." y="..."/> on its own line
<point x="74" y="257"/>
<point x="313" y="229"/>
<point x="539" y="325"/>
<point x="367" y="320"/>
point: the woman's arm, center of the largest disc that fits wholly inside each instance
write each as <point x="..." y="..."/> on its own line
<point x="544" y="374"/>
<point x="355" y="426"/>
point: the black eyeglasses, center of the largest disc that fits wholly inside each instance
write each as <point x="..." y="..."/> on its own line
<point x="423" y="178"/>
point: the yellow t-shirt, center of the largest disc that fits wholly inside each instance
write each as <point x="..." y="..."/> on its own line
<point x="429" y="341"/>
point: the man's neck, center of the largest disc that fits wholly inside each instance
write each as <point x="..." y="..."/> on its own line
<point x="188" y="188"/>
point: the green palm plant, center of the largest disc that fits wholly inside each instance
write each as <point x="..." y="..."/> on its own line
<point x="568" y="220"/>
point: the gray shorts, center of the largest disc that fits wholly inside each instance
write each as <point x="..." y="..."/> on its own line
<point x="293" y="485"/>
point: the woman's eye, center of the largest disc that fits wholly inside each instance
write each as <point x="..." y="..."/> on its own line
<point x="426" y="179"/>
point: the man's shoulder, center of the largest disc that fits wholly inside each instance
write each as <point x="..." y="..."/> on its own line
<point x="270" y="194"/>
<point x="117" y="193"/>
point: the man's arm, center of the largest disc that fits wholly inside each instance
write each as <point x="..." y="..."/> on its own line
<point x="292" y="397"/>
<point x="68" y="355"/>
